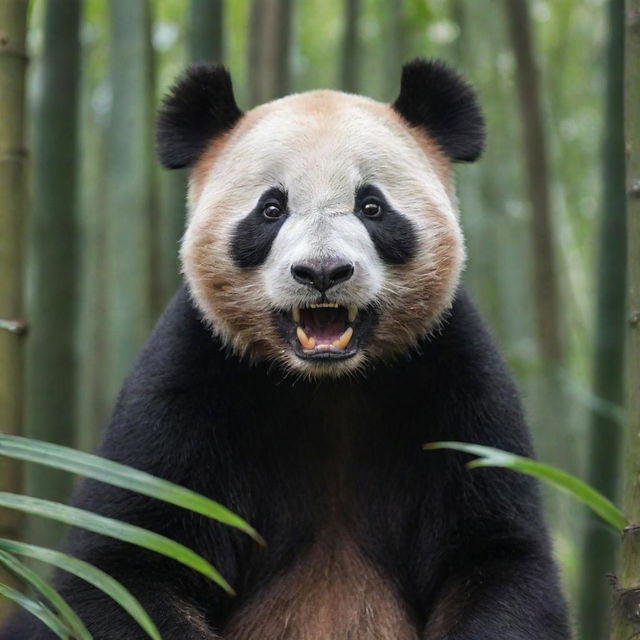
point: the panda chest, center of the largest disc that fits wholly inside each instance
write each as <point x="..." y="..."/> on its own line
<point x="332" y="591"/>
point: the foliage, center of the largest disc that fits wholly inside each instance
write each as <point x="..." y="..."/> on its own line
<point x="54" y="612"/>
<point x="490" y="457"/>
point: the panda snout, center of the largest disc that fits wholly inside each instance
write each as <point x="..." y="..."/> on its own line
<point x="322" y="275"/>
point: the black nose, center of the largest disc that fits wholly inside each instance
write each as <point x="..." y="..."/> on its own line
<point x="323" y="275"/>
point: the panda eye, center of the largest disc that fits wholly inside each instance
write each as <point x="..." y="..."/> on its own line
<point x="371" y="208"/>
<point x="272" y="210"/>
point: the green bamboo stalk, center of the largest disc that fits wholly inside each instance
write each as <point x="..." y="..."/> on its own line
<point x="545" y="284"/>
<point x="173" y="202"/>
<point x="599" y="552"/>
<point x="205" y="43"/>
<point x="551" y="409"/>
<point x="627" y="594"/>
<point x="13" y="60"/>
<point x="130" y="189"/>
<point x="206" y="31"/>
<point x="269" y="49"/>
<point x="351" y="48"/>
<point x="92" y="406"/>
<point x="395" y="54"/>
<point x="52" y="268"/>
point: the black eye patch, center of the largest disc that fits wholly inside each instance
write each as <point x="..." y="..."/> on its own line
<point x="393" y="235"/>
<point x="255" y="233"/>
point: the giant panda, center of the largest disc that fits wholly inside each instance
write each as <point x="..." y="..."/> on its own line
<point x="320" y="338"/>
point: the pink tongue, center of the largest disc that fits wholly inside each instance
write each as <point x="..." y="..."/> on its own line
<point x="325" y="333"/>
<point x="324" y="325"/>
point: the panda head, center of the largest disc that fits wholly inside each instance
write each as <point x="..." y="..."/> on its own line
<point x="323" y="232"/>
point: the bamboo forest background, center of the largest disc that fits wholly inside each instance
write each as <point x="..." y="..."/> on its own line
<point x="543" y="210"/>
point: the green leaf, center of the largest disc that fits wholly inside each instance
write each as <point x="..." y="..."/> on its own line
<point x="28" y="576"/>
<point x="85" y="464"/>
<point x="114" y="529"/>
<point x="46" y="616"/>
<point x="90" y="574"/>
<point x="490" y="457"/>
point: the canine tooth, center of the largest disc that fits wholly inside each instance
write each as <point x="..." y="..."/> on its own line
<point x="295" y="313"/>
<point x="306" y="341"/>
<point x="343" y="341"/>
<point x="353" y="312"/>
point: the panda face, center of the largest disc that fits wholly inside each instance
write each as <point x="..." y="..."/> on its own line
<point x="322" y="234"/>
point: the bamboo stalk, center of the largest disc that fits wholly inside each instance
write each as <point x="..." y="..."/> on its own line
<point x="351" y="49"/>
<point x="395" y="54"/>
<point x="206" y="31"/>
<point x="205" y="44"/>
<point x="599" y="552"/>
<point x="269" y="49"/>
<point x="13" y="61"/>
<point x="131" y="287"/>
<point x="51" y="257"/>
<point x="92" y="408"/>
<point x="627" y="594"/>
<point x="545" y="281"/>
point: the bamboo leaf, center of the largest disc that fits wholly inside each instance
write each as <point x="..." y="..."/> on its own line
<point x="46" y="616"/>
<point x="490" y="457"/>
<point x="114" y="529"/>
<point x="119" y="475"/>
<point x="66" y="613"/>
<point x="90" y="574"/>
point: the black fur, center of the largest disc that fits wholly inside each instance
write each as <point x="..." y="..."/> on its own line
<point x="255" y="233"/>
<point x="437" y="99"/>
<point x="471" y="545"/>
<point x="392" y="233"/>
<point x="200" y="106"/>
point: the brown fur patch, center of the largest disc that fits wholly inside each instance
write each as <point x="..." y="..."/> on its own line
<point x="332" y="593"/>
<point x="229" y="294"/>
<point x="202" y="169"/>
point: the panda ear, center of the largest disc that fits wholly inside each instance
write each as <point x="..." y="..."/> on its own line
<point x="437" y="99"/>
<point x="199" y="107"/>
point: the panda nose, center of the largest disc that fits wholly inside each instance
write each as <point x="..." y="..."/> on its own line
<point x="322" y="276"/>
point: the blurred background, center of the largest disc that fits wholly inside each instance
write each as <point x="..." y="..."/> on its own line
<point x="543" y="210"/>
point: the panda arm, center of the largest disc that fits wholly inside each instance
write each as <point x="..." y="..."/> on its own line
<point x="498" y="583"/>
<point x="497" y="579"/>
<point x="167" y="423"/>
<point x="183" y="603"/>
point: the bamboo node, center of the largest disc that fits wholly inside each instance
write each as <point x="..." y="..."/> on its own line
<point x="635" y="189"/>
<point x="626" y="601"/>
<point x="634" y="320"/>
<point x="13" y="326"/>
<point x="14" y="154"/>
<point x="8" y="51"/>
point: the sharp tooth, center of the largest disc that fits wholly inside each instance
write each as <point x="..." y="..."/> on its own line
<point x="343" y="341"/>
<point x="306" y="341"/>
<point x="295" y="313"/>
<point x="353" y="312"/>
<point x="313" y="306"/>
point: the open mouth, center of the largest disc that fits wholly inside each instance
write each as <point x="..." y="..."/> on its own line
<point x="325" y="330"/>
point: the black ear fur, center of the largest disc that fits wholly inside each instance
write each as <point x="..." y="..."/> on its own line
<point x="199" y="107"/>
<point x="439" y="100"/>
